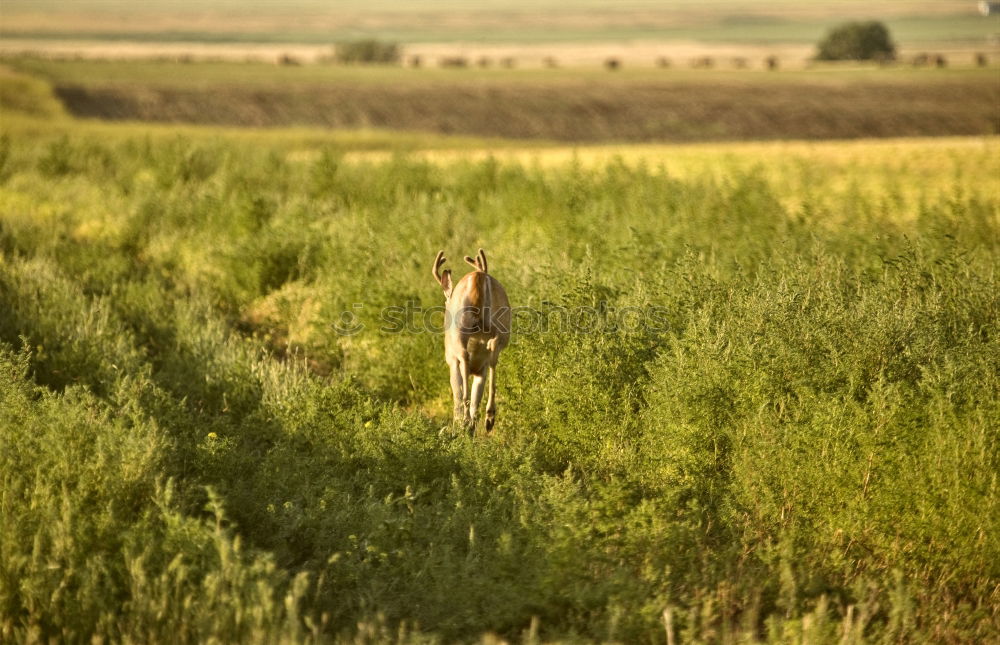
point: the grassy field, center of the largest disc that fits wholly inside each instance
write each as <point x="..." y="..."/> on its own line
<point x="214" y="74"/>
<point x="311" y="21"/>
<point x="913" y="31"/>
<point x="562" y="104"/>
<point x="753" y="396"/>
<point x="579" y="33"/>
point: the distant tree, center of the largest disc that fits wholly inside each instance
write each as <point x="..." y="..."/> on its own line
<point x="857" y="41"/>
<point x="367" y="51"/>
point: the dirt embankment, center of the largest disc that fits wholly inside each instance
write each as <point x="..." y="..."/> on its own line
<point x="573" y="112"/>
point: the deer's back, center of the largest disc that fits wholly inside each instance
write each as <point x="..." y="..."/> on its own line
<point x="479" y="308"/>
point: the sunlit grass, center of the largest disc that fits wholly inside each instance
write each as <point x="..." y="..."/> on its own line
<point x="912" y="170"/>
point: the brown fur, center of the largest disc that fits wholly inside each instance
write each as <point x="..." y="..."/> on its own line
<point x="477" y="288"/>
<point x="478" y="328"/>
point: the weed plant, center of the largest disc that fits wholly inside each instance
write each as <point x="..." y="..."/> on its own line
<point x="799" y="443"/>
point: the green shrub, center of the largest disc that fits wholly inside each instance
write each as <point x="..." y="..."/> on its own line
<point x="28" y="95"/>
<point x="801" y="446"/>
<point x="857" y="41"/>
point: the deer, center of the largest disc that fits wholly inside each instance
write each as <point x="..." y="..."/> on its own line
<point x="476" y="329"/>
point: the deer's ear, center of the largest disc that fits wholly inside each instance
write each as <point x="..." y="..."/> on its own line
<point x="446" y="284"/>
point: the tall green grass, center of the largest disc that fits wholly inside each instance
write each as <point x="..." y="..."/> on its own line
<point x="803" y="448"/>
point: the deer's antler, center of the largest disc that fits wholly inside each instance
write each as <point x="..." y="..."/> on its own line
<point x="479" y="263"/>
<point x="436" y="270"/>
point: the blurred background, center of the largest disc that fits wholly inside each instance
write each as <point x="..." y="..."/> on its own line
<point x="577" y="70"/>
<point x="194" y="194"/>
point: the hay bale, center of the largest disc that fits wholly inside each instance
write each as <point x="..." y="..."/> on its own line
<point x="454" y="61"/>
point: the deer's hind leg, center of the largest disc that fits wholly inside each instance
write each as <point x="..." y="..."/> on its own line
<point x="458" y="385"/>
<point x="491" y="399"/>
<point x="478" y="380"/>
